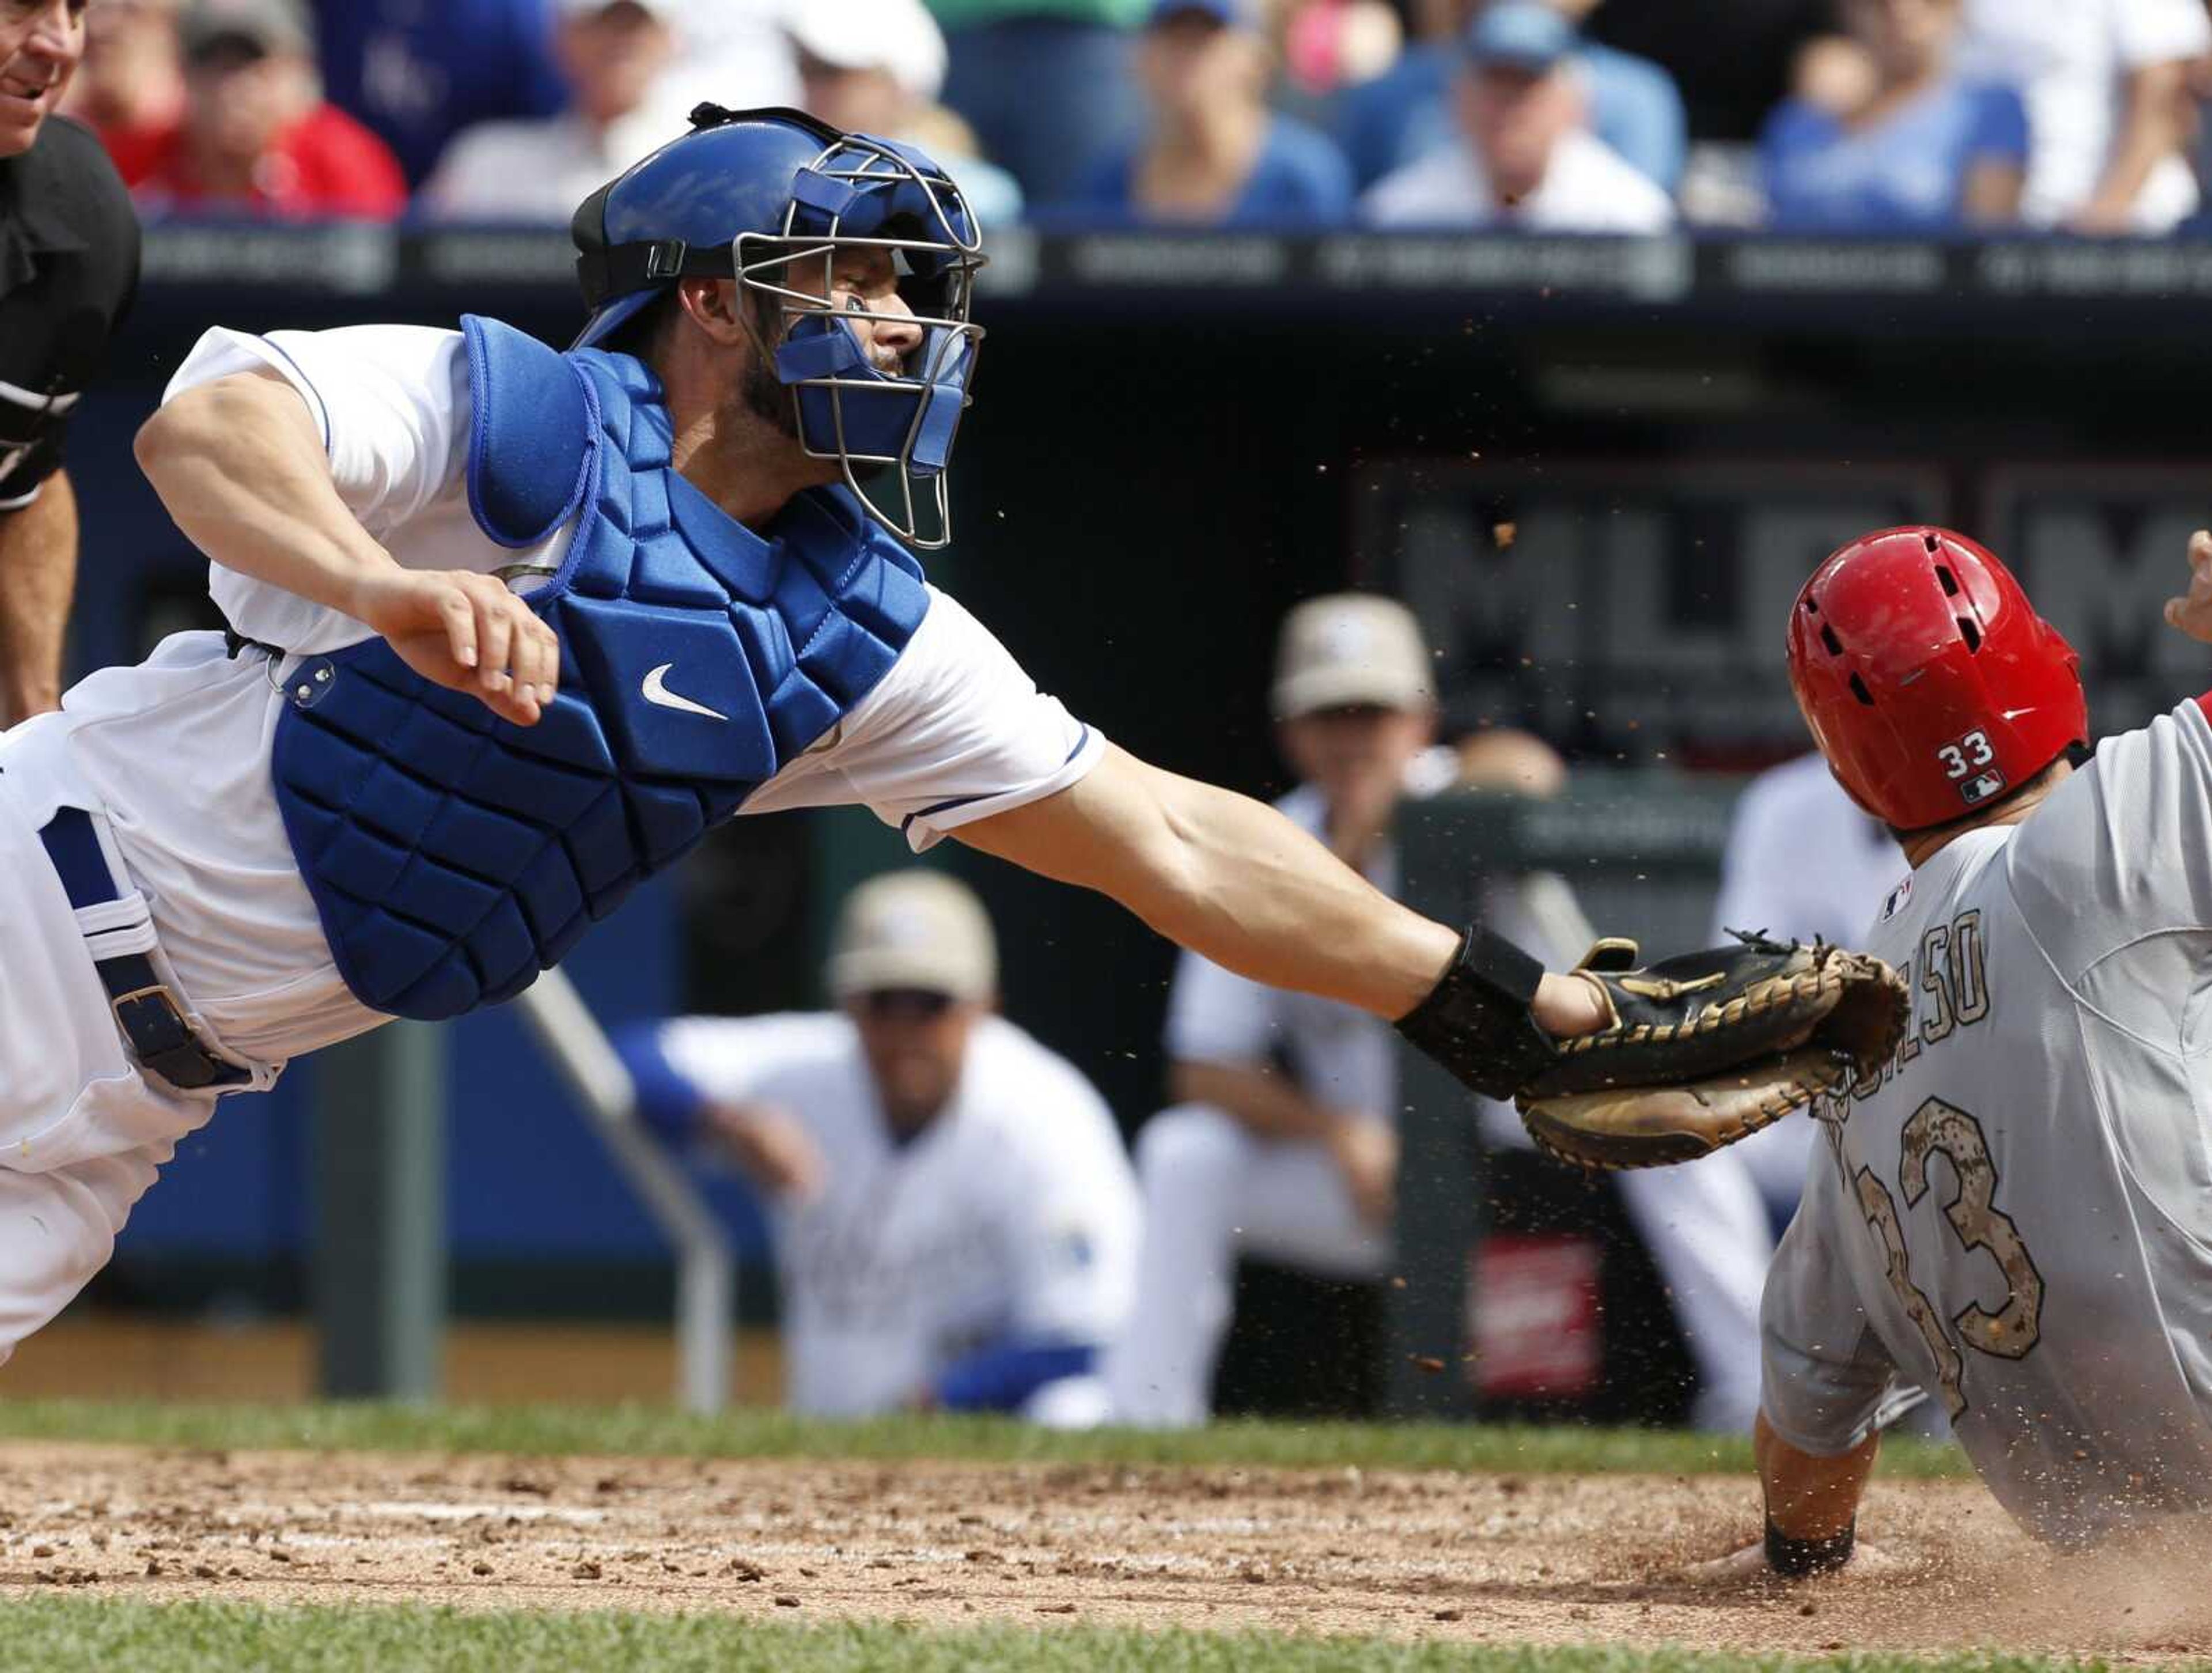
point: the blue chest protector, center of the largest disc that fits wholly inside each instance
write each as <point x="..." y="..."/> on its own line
<point x="451" y="856"/>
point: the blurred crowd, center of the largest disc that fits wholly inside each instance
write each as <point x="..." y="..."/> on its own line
<point x="1850" y="116"/>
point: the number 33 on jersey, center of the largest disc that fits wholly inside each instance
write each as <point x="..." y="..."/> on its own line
<point x="1951" y="992"/>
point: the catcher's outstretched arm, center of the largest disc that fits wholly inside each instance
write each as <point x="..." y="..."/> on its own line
<point x="1234" y="880"/>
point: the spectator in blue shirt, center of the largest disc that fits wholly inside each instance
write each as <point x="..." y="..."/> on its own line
<point x="418" y="71"/>
<point x="1407" y="112"/>
<point x="1922" y="151"/>
<point x="1215" y="154"/>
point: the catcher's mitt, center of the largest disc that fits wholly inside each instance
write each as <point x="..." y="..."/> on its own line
<point x="1708" y="1047"/>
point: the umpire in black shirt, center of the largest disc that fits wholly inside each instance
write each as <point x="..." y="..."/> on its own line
<point x="69" y="266"/>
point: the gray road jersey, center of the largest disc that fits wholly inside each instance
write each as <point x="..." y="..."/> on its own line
<point x="2018" y="1215"/>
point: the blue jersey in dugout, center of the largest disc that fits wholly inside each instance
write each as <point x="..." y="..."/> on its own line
<point x="453" y="855"/>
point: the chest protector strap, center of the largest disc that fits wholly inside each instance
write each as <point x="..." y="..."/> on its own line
<point x="451" y="855"/>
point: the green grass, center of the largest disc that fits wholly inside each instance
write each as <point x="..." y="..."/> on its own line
<point x="51" y="1634"/>
<point x="654" y="1431"/>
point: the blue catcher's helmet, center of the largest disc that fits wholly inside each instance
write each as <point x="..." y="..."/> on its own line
<point x="754" y="195"/>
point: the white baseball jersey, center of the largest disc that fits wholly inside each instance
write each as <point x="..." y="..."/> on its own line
<point x="176" y="750"/>
<point x="2017" y="1216"/>
<point x="1011" y="1216"/>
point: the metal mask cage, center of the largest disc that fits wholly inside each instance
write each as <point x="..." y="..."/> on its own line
<point x="936" y="264"/>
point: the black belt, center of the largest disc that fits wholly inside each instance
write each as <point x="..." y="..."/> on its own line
<point x="235" y="643"/>
<point x="145" y="1009"/>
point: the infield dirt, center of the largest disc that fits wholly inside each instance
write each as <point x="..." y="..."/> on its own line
<point x="1482" y="1558"/>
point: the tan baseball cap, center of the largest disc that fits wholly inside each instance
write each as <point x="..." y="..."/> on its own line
<point x="1351" y="648"/>
<point x="914" y="929"/>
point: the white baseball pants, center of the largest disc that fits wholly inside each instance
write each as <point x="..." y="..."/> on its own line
<point x="83" y="1134"/>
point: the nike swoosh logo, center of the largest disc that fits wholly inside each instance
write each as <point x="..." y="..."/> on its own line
<point x="657" y="692"/>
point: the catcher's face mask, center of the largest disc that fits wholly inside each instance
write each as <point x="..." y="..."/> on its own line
<point x="890" y="429"/>
<point x="773" y="198"/>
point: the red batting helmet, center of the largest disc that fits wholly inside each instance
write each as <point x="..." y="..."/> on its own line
<point x="1929" y="681"/>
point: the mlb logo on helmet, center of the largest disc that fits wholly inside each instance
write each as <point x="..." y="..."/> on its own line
<point x="1980" y="789"/>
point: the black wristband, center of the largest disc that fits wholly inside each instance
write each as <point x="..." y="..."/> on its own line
<point x="1478" y="1020"/>
<point x="1800" y="1559"/>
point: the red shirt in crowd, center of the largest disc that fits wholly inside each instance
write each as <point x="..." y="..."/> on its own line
<point x="326" y="165"/>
